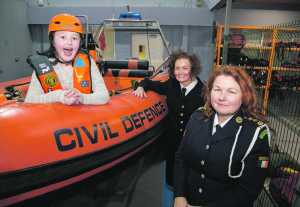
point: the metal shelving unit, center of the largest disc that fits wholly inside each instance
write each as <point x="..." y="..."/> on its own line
<point x="261" y="44"/>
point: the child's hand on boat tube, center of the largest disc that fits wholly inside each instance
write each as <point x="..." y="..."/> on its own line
<point x="72" y="97"/>
<point x="140" y="92"/>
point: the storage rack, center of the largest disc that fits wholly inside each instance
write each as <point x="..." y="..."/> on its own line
<point x="266" y="42"/>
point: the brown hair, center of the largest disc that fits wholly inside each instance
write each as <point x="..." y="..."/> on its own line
<point x="249" y="98"/>
<point x="194" y="61"/>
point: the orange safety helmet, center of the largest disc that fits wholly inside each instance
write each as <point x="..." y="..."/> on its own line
<point x="65" y="22"/>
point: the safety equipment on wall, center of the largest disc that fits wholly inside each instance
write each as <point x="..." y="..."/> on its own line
<point x="65" y="22"/>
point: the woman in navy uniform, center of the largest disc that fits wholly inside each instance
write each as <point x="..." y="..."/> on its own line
<point x="183" y="91"/>
<point x="223" y="158"/>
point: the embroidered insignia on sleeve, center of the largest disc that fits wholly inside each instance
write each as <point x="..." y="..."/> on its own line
<point x="263" y="134"/>
<point x="238" y="119"/>
<point x="263" y="162"/>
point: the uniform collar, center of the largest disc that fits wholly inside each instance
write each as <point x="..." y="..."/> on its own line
<point x="216" y="121"/>
<point x="229" y="129"/>
<point x="190" y="86"/>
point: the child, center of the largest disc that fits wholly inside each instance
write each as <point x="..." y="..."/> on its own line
<point x="67" y="74"/>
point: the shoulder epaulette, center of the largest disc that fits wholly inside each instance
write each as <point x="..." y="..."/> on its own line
<point x="255" y="121"/>
<point x="199" y="113"/>
<point x="201" y="108"/>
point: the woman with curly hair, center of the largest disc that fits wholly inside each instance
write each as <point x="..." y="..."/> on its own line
<point x="183" y="91"/>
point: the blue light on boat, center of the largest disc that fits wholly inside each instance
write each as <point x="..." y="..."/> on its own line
<point x="131" y="15"/>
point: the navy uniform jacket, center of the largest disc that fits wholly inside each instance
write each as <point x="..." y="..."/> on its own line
<point x="206" y="172"/>
<point x="180" y="109"/>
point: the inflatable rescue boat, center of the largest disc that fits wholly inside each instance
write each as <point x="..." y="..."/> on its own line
<point x="45" y="147"/>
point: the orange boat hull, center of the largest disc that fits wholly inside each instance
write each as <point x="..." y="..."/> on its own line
<point x="45" y="147"/>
